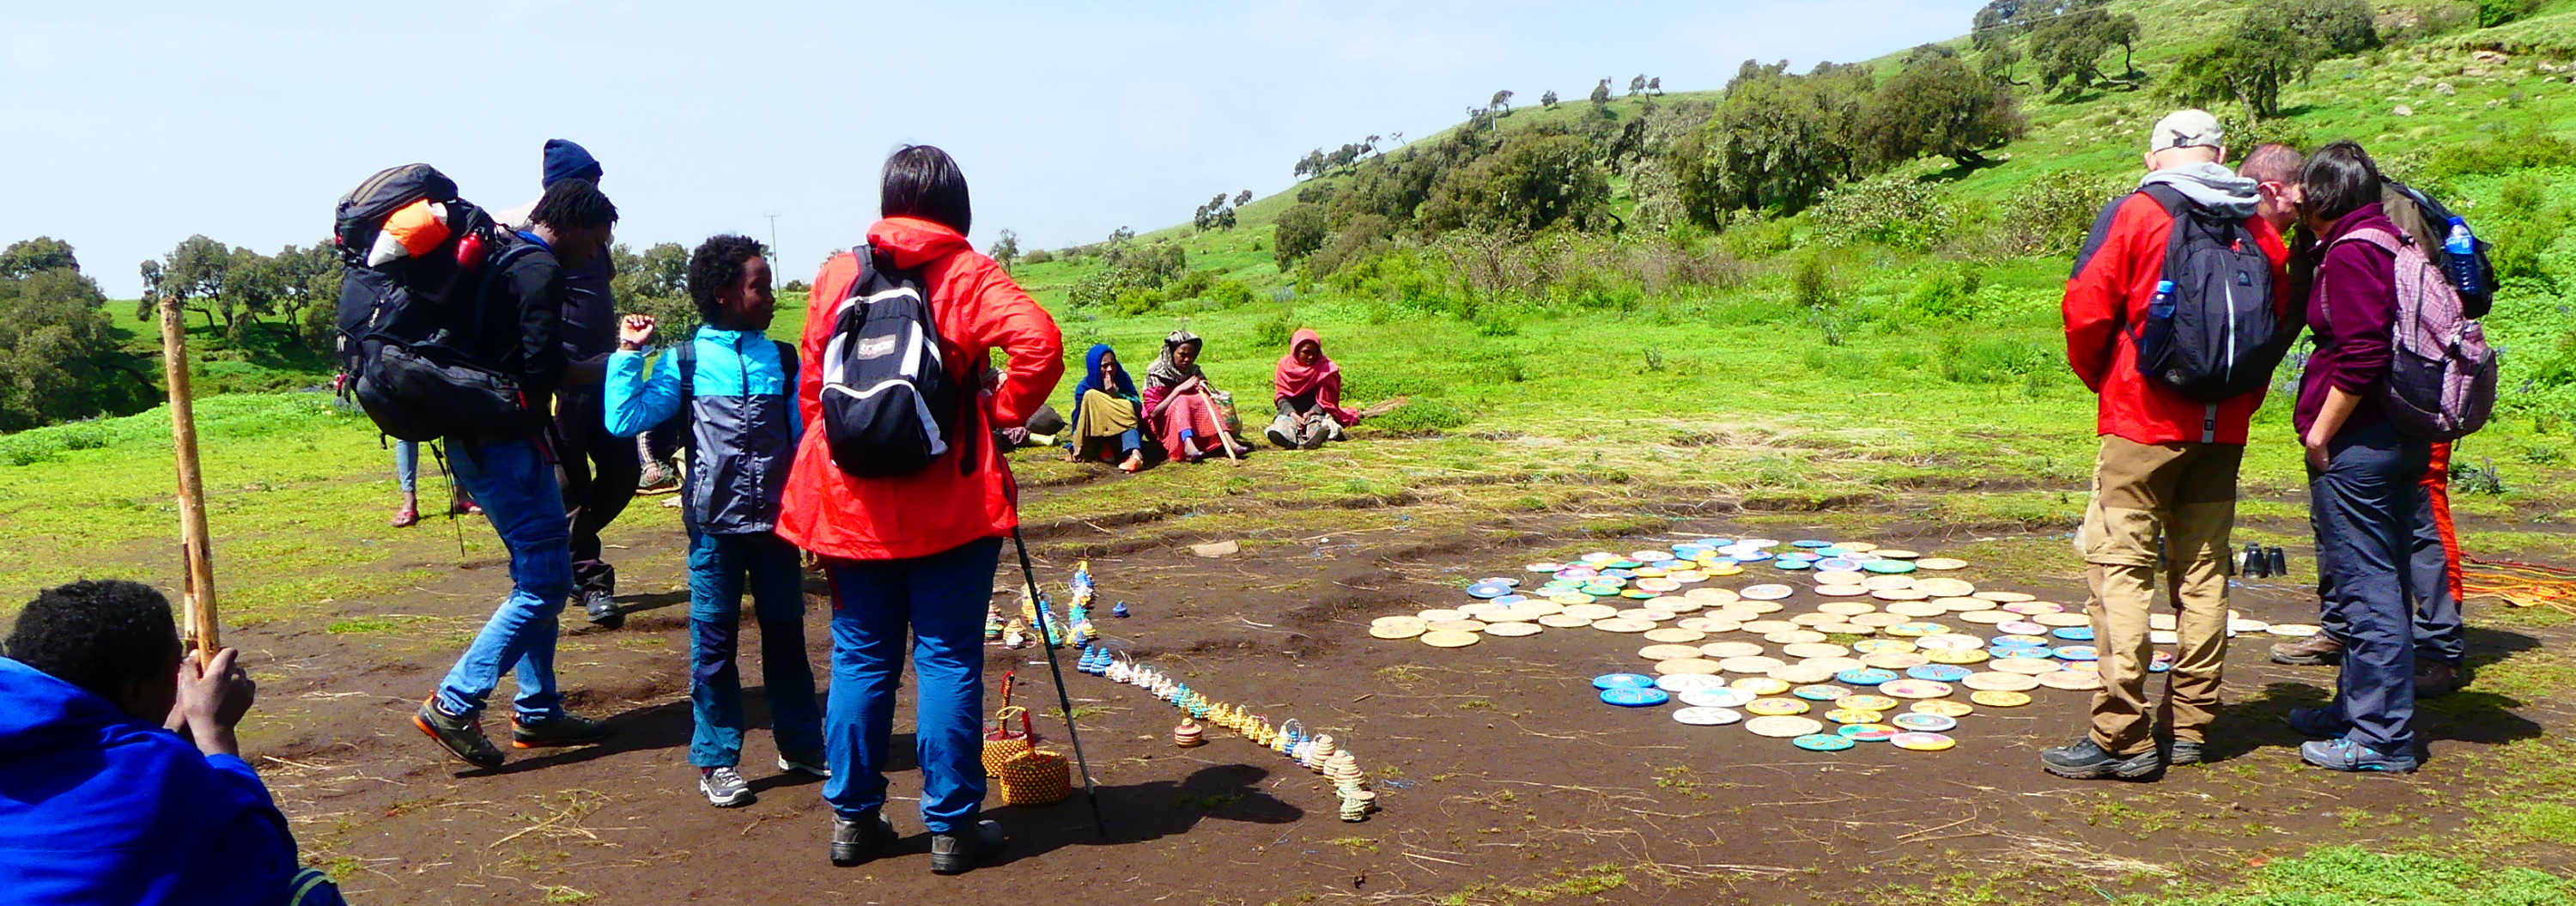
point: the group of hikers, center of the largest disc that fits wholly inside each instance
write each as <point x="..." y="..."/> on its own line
<point x="124" y="782"/>
<point x="2321" y="241"/>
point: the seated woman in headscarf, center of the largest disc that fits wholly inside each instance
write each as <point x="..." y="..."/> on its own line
<point x="1105" y="407"/>
<point x="1180" y="404"/>
<point x="1307" y="390"/>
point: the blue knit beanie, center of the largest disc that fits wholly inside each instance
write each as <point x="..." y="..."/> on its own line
<point x="565" y="160"/>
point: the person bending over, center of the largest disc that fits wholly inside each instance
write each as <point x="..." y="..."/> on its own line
<point x="120" y="777"/>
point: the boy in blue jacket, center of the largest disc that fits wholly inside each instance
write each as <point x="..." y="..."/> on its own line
<point x="738" y="387"/>
<point x="120" y="780"/>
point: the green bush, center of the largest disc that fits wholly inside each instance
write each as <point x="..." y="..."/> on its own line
<point x="1991" y="360"/>
<point x="1273" y="333"/>
<point x="1227" y="294"/>
<point x="1421" y="418"/>
<point x="1945" y="294"/>
<point x="1895" y="211"/>
<point x="2051" y="214"/>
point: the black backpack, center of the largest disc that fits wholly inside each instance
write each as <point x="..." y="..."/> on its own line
<point x="2218" y="333"/>
<point x="417" y="337"/>
<point x="890" y="406"/>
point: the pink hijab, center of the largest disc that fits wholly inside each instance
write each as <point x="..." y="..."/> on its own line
<point x="1295" y="378"/>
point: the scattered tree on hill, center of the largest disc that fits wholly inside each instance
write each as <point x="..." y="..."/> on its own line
<point x="1534" y="180"/>
<point x="1938" y="106"/>
<point x="1217" y="214"/>
<point x="1005" y="249"/>
<point x="1601" y="97"/>
<point x="1548" y="100"/>
<point x="1311" y="165"/>
<point x="656" y="282"/>
<point x="2342" y="27"/>
<point x="43" y="253"/>
<point x="1655" y="86"/>
<point x="1502" y="102"/>
<point x="1245" y="197"/>
<point x="1636" y="86"/>
<point x="1776" y="142"/>
<point x="1300" y="232"/>
<point x="1995" y="32"/>
<point x="2069" y="45"/>
<point x="198" y="274"/>
<point x="2250" y="66"/>
<point x="59" y="358"/>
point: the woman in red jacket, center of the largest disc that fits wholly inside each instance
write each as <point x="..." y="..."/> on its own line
<point x="917" y="552"/>
<point x="2364" y="489"/>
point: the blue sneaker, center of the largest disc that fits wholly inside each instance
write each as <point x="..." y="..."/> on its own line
<point x="2350" y="756"/>
<point x="2316" y="722"/>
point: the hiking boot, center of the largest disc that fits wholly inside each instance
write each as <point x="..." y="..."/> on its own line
<point x="600" y="607"/>
<point x="724" y="787"/>
<point x="2087" y="760"/>
<point x="2352" y="757"/>
<point x="2315" y="722"/>
<point x="2320" y="650"/>
<point x="560" y="730"/>
<point x="463" y="737"/>
<point x="807" y="762"/>
<point x="854" y="842"/>
<point x="2434" y="679"/>
<point x="956" y="854"/>
<point x="2183" y="751"/>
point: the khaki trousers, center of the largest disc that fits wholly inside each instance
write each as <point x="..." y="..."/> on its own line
<point x="2188" y="490"/>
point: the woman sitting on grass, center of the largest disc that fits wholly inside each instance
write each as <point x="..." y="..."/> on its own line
<point x="1307" y="390"/>
<point x="1180" y="404"/>
<point x="1105" y="407"/>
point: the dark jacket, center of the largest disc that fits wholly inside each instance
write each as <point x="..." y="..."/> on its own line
<point x="589" y="311"/>
<point x="743" y="423"/>
<point x="2351" y="313"/>
<point x="530" y="289"/>
<point x="98" y="807"/>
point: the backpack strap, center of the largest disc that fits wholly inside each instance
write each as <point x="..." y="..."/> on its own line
<point x="685" y="358"/>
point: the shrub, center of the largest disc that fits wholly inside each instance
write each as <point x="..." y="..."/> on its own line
<point x="1040" y="256"/>
<point x="1273" y="333"/>
<point x="1990" y="360"/>
<point x="1895" y="211"/>
<point x="1299" y="233"/>
<point x="2050" y="215"/>
<point x="1945" y="294"/>
<point x="1421" y="418"/>
<point x="1227" y="294"/>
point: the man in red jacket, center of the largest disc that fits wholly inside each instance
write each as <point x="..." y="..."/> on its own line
<point x="2167" y="464"/>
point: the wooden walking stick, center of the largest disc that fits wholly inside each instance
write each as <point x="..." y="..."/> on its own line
<point x="199" y="600"/>
<point x="1223" y="438"/>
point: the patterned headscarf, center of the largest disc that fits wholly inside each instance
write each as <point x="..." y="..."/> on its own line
<point x="1164" y="372"/>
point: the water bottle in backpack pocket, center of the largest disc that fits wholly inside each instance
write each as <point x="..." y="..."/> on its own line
<point x="2441" y="373"/>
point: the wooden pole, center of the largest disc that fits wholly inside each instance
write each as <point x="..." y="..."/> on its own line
<point x="199" y="600"/>
<point x="1222" y="439"/>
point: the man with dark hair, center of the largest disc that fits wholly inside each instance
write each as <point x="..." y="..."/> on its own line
<point x="599" y="473"/>
<point x="733" y="389"/>
<point x="2164" y="483"/>
<point x="123" y="779"/>
<point x="510" y="477"/>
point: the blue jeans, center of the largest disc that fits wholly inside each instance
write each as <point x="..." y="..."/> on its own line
<point x="2363" y="508"/>
<point x="516" y="486"/>
<point x="407" y="464"/>
<point x="719" y="566"/>
<point x="941" y="598"/>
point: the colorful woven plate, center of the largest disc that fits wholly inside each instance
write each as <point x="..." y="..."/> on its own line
<point x="1865" y="703"/>
<point x="1999" y="681"/>
<point x="1688" y="682"/>
<point x="1715" y="698"/>
<point x="1622" y="681"/>
<point x="1822" y="742"/>
<point x="1925" y="723"/>
<point x="1771" y="592"/>
<point x="1913" y="688"/>
<point x="1939" y="673"/>
<point x="1635" y="698"/>
<point x="1997" y="698"/>
<point x="1865" y="676"/>
<point x="2028" y="666"/>
<point x="2002" y="597"/>
<point x="2075" y="680"/>
<point x="1853" y="716"/>
<point x="1888" y="566"/>
<point x="1759" y="686"/>
<point x="1702" y="716"/>
<point x="1782" y="726"/>
<point x="1867" y="732"/>
<point x="1943" y="707"/>
<point x="1921" y="742"/>
<point x="1820" y="693"/>
<point x="1769" y="707"/>
<point x="1396" y="627"/>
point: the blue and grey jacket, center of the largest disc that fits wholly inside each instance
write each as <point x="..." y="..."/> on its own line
<point x="743" y="423"/>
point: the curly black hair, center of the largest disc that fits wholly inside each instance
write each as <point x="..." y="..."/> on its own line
<point x="717" y="264"/>
<point x="923" y="181"/>
<point x="96" y="635"/>
<point x="572" y="204"/>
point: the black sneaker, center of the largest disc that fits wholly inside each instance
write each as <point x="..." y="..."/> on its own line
<point x="462" y="738"/>
<point x="561" y="730"/>
<point x="601" y="609"/>
<point x="854" y="842"/>
<point x="2086" y="760"/>
<point x="956" y="854"/>
<point x="2315" y="722"/>
<point x="2183" y="751"/>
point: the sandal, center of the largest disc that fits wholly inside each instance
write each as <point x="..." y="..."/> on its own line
<point x="1134" y="463"/>
<point x="406" y="517"/>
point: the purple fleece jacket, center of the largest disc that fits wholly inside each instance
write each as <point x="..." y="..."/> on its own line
<point x="2351" y="312"/>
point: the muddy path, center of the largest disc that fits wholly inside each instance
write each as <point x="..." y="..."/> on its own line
<point x="1503" y="777"/>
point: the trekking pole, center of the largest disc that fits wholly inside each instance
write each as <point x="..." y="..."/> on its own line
<point x="195" y="547"/>
<point x="1046" y="640"/>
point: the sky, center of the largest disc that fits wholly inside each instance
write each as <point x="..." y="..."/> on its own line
<point x="134" y="125"/>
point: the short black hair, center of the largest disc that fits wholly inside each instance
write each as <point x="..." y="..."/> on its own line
<point x="572" y="204"/>
<point x="96" y="635"/>
<point x="718" y="263"/>
<point x="2340" y="179"/>
<point x="923" y="181"/>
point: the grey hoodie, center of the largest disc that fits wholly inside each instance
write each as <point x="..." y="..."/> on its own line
<point x="2214" y="188"/>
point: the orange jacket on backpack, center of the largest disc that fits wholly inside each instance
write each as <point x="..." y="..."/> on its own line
<point x="977" y="308"/>
<point x="2108" y="296"/>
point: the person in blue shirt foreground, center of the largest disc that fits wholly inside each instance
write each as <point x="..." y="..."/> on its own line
<point x="120" y="778"/>
<point x="735" y="386"/>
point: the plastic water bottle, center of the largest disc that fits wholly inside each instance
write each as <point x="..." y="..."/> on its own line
<point x="2162" y="306"/>
<point x="2463" y="248"/>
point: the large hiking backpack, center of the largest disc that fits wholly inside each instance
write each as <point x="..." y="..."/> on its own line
<point x="2218" y="333"/>
<point x="2441" y="372"/>
<point x="890" y="406"/>
<point x="415" y="336"/>
<point x="2471" y="275"/>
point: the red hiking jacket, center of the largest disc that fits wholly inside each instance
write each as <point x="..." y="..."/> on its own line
<point x="2109" y="296"/>
<point x="977" y="308"/>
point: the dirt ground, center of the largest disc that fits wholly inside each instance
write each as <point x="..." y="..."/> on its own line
<point x="1502" y="776"/>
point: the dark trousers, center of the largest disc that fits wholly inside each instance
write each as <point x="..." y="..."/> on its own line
<point x="2440" y="633"/>
<point x="721" y="569"/>
<point x="2363" y="508"/>
<point x="598" y="472"/>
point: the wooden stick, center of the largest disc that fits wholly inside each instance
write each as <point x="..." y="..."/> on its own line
<point x="1221" y="439"/>
<point x="194" y="545"/>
